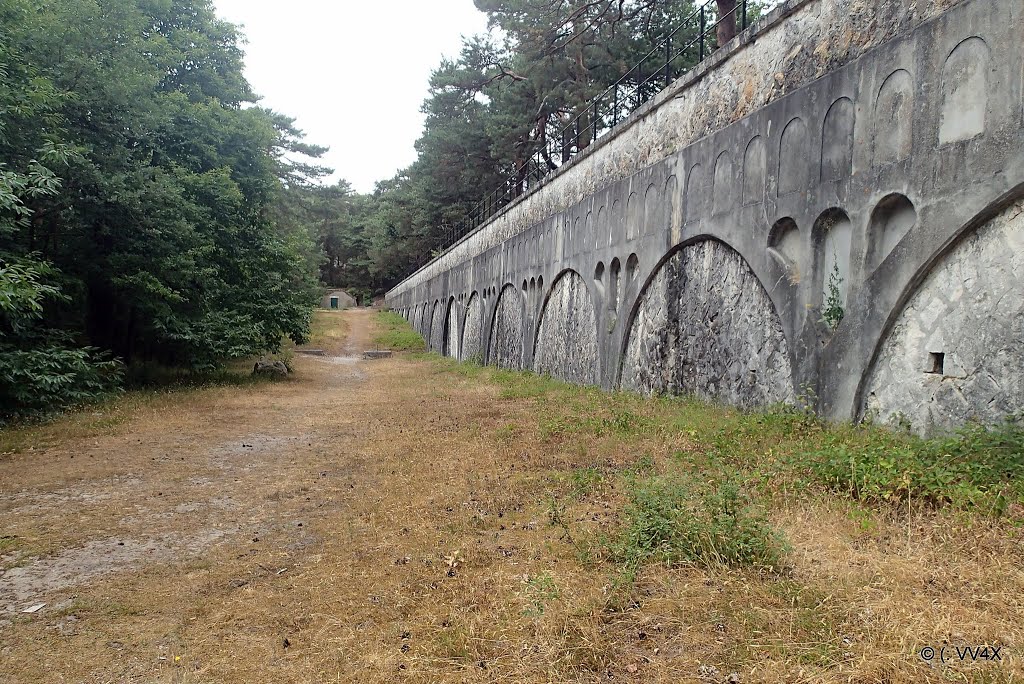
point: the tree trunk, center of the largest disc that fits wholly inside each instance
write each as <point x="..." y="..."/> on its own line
<point x="727" y="25"/>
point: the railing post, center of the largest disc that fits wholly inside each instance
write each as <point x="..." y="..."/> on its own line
<point x="593" y="125"/>
<point x="615" y="104"/>
<point x="744" y="24"/>
<point x="668" y="60"/>
<point x="703" y="30"/>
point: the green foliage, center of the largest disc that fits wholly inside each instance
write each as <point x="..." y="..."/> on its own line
<point x="977" y="467"/>
<point x="540" y="590"/>
<point x="138" y="188"/>
<point x="47" y="378"/>
<point x="41" y="371"/>
<point x="396" y="333"/>
<point x="489" y="110"/>
<point x="671" y="519"/>
<point x="832" y="311"/>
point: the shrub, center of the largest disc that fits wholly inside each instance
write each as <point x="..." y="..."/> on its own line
<point x="44" y="379"/>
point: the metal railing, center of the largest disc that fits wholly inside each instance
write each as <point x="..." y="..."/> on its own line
<point x="558" y="142"/>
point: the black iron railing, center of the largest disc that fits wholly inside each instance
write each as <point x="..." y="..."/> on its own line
<point x="559" y="142"/>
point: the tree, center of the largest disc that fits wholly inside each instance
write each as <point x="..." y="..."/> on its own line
<point x="727" y="21"/>
<point x="138" y="182"/>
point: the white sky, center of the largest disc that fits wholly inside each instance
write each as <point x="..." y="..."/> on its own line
<point x="353" y="73"/>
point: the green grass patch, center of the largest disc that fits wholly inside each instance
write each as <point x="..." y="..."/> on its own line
<point x="780" y="453"/>
<point x="674" y="519"/>
<point x="395" y="333"/>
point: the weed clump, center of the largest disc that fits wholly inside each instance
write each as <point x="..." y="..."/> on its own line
<point x="671" y="520"/>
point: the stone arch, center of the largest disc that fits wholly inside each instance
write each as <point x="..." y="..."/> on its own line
<point x="891" y="219"/>
<point x="837" y="140"/>
<point x="832" y="238"/>
<point x="469" y="350"/>
<point x="894" y="119"/>
<point x="506" y="339"/>
<point x="422" y="321"/>
<point x="436" y="332"/>
<point x="704" y="325"/>
<point x="953" y="350"/>
<point x="964" y="91"/>
<point x="566" y="345"/>
<point x="451" y="330"/>
<point x="722" y="193"/>
<point x="794" y="155"/>
<point x="755" y="168"/>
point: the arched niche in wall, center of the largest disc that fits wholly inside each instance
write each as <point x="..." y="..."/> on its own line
<point x="599" y="277"/>
<point x="833" y="236"/>
<point x="451" y="327"/>
<point x="506" y="337"/>
<point x="470" y="350"/>
<point x="673" y="206"/>
<point x="837" y="140"/>
<point x="614" y="284"/>
<point x="894" y="119"/>
<point x="891" y="219"/>
<point x="722" y="193"/>
<point x="654" y="211"/>
<point x="601" y="228"/>
<point x="694" y="200"/>
<point x="954" y="349"/>
<point x="632" y="269"/>
<point x="704" y="325"/>
<point x="787" y="248"/>
<point x="566" y="345"/>
<point x="965" y="84"/>
<point x="634" y="215"/>
<point x="794" y="157"/>
<point x="755" y="166"/>
<point x="616" y="222"/>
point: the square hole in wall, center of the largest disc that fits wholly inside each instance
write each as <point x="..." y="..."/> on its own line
<point x="936" y="361"/>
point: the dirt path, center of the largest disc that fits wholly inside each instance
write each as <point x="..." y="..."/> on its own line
<point x="127" y="532"/>
<point x="395" y="520"/>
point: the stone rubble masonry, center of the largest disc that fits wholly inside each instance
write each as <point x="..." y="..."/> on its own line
<point x="865" y="154"/>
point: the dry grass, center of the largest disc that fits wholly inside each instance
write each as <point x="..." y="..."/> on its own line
<point x="427" y="553"/>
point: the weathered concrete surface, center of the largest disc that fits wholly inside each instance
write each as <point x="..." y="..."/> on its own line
<point x="851" y="138"/>
<point x="706" y="327"/>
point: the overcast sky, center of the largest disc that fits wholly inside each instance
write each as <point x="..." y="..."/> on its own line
<point x="352" y="72"/>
